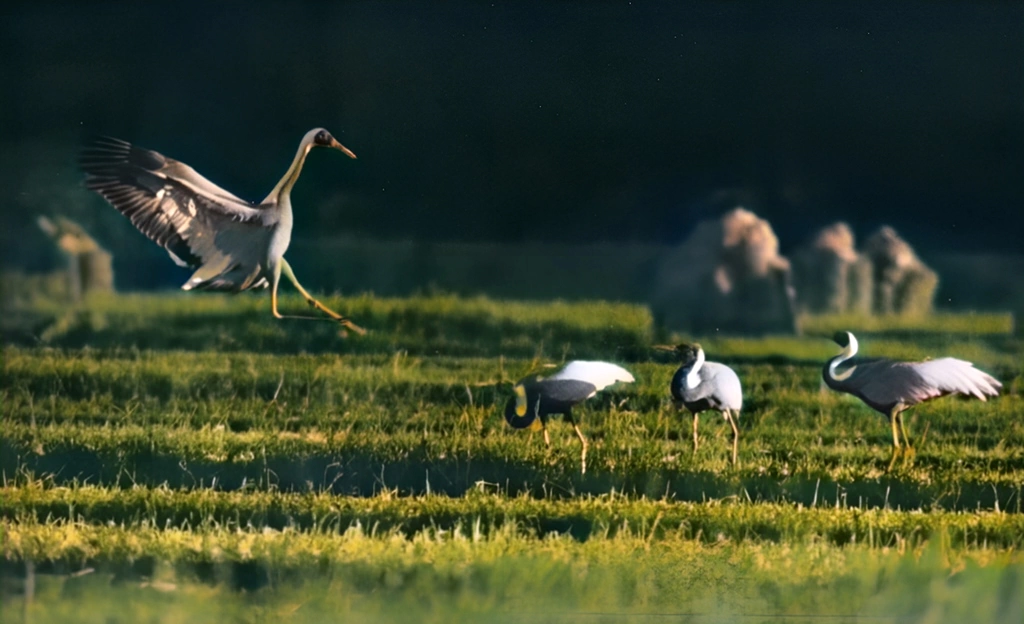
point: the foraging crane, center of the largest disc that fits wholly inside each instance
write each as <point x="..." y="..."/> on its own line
<point x="700" y="385"/>
<point x="891" y="387"/>
<point x="535" y="399"/>
<point x="233" y="245"/>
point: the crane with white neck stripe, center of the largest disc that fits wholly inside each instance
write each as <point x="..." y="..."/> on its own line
<point x="892" y="387"/>
<point x="700" y="385"/>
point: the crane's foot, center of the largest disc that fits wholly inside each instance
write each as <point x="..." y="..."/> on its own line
<point x="347" y="324"/>
<point x="896" y="454"/>
<point x="342" y="320"/>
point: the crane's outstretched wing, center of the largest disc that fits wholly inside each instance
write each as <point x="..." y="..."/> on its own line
<point x="600" y="374"/>
<point x="196" y="221"/>
<point x="884" y="383"/>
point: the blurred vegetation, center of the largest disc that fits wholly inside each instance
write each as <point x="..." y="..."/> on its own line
<point x="477" y="571"/>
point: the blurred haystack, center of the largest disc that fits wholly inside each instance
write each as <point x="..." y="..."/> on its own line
<point x="830" y="276"/>
<point x="728" y="275"/>
<point x="902" y="283"/>
<point x="89" y="267"/>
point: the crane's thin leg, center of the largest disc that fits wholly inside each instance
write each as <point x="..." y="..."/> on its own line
<point x="903" y="432"/>
<point x="275" y="279"/>
<point x="583" y="441"/>
<point x="893" y="414"/>
<point x="696" y="441"/>
<point x="735" y="435"/>
<point x="286" y="268"/>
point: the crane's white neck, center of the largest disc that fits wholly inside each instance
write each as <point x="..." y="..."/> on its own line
<point x="848" y="352"/>
<point x="284" y="187"/>
<point x="692" y="377"/>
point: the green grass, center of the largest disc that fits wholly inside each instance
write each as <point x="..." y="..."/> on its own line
<point x="117" y="415"/>
<point x="418" y="325"/>
<point x="475" y="572"/>
<point x="207" y="463"/>
<point x="583" y="518"/>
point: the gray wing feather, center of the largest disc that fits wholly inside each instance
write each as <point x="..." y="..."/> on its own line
<point x="726" y="383"/>
<point x="196" y="221"/>
<point x="567" y="391"/>
<point x="884" y="383"/>
<point x="719" y="384"/>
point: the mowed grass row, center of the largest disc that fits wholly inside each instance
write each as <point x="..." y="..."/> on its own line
<point x="163" y="375"/>
<point x="117" y="415"/>
<point x="581" y="517"/>
<point x="453" y="326"/>
<point x="401" y="393"/>
<point x="366" y="463"/>
<point x="397" y="381"/>
<point x="475" y="571"/>
<point x="426" y="325"/>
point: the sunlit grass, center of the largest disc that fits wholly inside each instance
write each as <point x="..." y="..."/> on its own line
<point x="490" y="510"/>
<point x="187" y="447"/>
<point x="495" y="572"/>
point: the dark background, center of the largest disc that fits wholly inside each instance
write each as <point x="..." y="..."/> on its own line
<point x="563" y="122"/>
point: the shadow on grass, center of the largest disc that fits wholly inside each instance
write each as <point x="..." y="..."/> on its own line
<point x="360" y="473"/>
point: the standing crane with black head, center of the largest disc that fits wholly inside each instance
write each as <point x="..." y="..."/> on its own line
<point x="535" y="399"/>
<point x="231" y="244"/>
<point x="892" y="387"/>
<point x="700" y="385"/>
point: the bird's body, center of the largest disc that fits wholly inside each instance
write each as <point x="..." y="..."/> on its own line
<point x="231" y="244"/>
<point x="699" y="385"/>
<point x="717" y="388"/>
<point x="891" y="387"/>
<point x="536" y="399"/>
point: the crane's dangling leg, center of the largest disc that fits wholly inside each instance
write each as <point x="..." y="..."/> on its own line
<point x="696" y="441"/>
<point x="735" y="435"/>
<point x="283" y="266"/>
<point x="583" y="441"/>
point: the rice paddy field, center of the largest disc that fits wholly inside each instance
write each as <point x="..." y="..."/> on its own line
<point x="173" y="458"/>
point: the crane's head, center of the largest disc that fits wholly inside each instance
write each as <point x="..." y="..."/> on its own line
<point x="518" y="412"/>
<point x="687" y="351"/>
<point x="843" y="338"/>
<point x="847" y="341"/>
<point x="322" y="138"/>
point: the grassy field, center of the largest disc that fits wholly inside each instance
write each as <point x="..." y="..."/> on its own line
<point x="170" y="457"/>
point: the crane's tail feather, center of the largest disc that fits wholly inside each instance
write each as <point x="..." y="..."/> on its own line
<point x="600" y="374"/>
<point x="953" y="376"/>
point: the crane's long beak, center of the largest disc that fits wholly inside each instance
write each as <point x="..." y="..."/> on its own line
<point x="663" y="347"/>
<point x="342" y="148"/>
